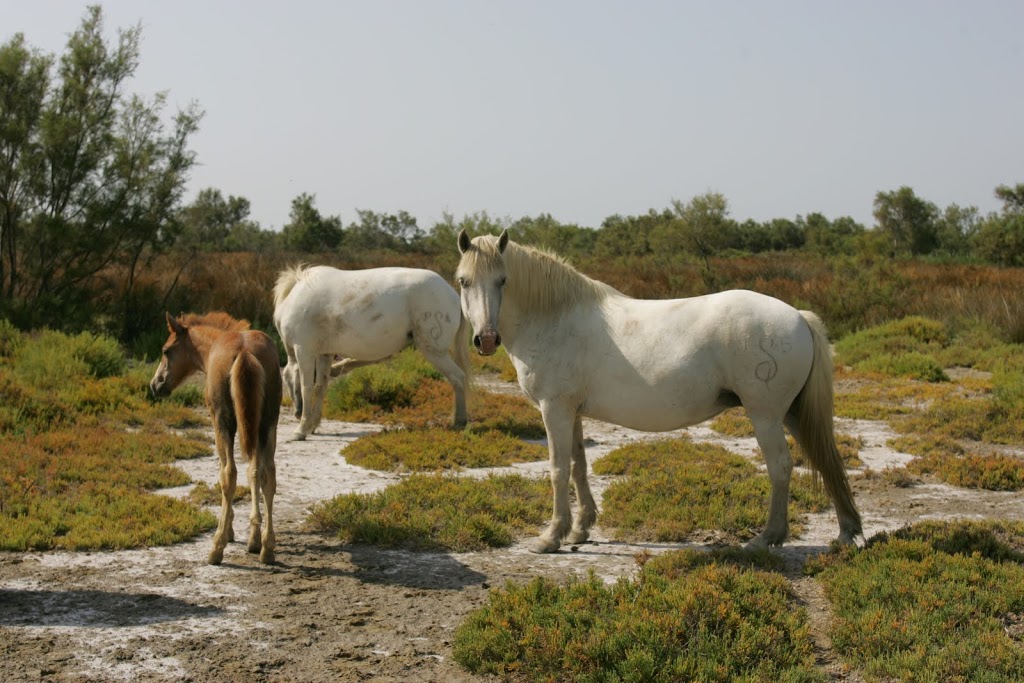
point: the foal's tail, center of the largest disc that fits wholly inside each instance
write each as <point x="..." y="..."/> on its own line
<point x="813" y="412"/>
<point x="248" y="385"/>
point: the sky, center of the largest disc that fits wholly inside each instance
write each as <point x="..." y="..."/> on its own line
<point x="579" y="109"/>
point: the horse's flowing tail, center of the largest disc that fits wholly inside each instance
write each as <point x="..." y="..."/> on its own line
<point x="813" y="412"/>
<point x="248" y="383"/>
<point x="286" y="280"/>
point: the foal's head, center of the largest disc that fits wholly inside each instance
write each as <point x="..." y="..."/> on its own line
<point x="179" y="359"/>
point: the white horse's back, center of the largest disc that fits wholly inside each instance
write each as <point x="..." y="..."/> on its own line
<point x="365" y="316"/>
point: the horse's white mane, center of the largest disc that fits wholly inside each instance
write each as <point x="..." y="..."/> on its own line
<point x="540" y="280"/>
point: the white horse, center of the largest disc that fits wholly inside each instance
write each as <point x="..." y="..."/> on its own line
<point x="581" y="348"/>
<point x="365" y="316"/>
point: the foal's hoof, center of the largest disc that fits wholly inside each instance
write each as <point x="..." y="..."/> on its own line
<point x="543" y="545"/>
<point x="215" y="557"/>
<point x="267" y="556"/>
<point x="297" y="436"/>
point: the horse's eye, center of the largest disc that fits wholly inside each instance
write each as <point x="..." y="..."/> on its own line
<point x="501" y="282"/>
<point x="463" y="282"/>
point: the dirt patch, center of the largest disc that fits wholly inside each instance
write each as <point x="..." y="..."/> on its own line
<point x="333" y="612"/>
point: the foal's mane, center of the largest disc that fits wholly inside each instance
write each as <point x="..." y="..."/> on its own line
<point x="215" y="319"/>
<point x="540" y="280"/>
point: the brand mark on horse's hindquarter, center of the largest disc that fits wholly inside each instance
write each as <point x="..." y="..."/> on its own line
<point x="766" y="370"/>
<point x="439" y="318"/>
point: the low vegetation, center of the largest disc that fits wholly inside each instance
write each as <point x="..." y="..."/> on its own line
<point x="407" y="391"/>
<point x="671" y="489"/>
<point x="438" y="512"/>
<point x="432" y="449"/>
<point x="934" y="602"/>
<point x="90" y="448"/>
<point x="686" y="616"/>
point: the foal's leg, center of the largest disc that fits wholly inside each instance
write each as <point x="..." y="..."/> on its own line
<point x="558" y="421"/>
<point x="255" y="518"/>
<point x="772" y="441"/>
<point x="588" y="508"/>
<point x="268" y="484"/>
<point x="225" y="440"/>
<point x="456" y="377"/>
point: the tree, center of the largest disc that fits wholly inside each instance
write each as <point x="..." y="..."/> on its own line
<point x="308" y="231"/>
<point x="210" y="221"/>
<point x="999" y="238"/>
<point x="90" y="178"/>
<point x="24" y="81"/>
<point x="910" y="223"/>
<point x="384" y="231"/>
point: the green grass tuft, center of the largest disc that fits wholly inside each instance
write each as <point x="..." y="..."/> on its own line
<point x="436" y="448"/>
<point x="930" y="603"/>
<point x="674" y="488"/>
<point x="438" y="512"/>
<point x="687" y="616"/>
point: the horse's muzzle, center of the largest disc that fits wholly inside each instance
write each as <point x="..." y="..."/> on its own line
<point x="160" y="389"/>
<point x="487" y="343"/>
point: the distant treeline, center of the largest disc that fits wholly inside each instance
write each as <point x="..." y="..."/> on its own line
<point x="95" y="232"/>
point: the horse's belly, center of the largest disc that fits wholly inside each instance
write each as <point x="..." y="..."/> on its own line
<point x="650" y="410"/>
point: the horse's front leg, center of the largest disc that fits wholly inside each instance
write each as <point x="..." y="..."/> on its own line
<point x="558" y="421"/>
<point x="588" y="508"/>
<point x="224" y="439"/>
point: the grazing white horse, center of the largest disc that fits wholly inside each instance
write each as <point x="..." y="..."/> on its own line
<point x="583" y="349"/>
<point x="365" y="316"/>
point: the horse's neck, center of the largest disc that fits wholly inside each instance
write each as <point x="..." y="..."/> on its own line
<point x="203" y="338"/>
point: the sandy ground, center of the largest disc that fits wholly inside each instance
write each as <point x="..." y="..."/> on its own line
<point x="331" y="612"/>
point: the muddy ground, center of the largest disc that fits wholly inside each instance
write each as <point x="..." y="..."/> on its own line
<point x="333" y="612"/>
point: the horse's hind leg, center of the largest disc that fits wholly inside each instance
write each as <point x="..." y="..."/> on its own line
<point x="456" y="377"/>
<point x="255" y="519"/>
<point x="267" y="480"/>
<point x="588" y="508"/>
<point x="313" y="376"/>
<point x="772" y="441"/>
<point x="228" y="476"/>
<point x="558" y="421"/>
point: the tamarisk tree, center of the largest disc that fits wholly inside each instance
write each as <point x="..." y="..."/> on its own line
<point x="90" y="176"/>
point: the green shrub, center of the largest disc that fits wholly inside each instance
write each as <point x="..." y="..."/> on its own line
<point x="437" y="512"/>
<point x="673" y="488"/>
<point x="438" y="448"/>
<point x="930" y="603"/>
<point x="688" y="616"/>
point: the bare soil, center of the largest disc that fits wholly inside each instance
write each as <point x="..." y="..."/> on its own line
<point x="332" y="612"/>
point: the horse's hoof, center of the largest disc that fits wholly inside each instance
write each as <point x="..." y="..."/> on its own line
<point x="267" y="556"/>
<point x="255" y="547"/>
<point x="543" y="546"/>
<point x="297" y="436"/>
<point x="215" y="557"/>
<point x="577" y="536"/>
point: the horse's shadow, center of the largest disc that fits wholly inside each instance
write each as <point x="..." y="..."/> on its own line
<point x="95" y="608"/>
<point x="412" y="569"/>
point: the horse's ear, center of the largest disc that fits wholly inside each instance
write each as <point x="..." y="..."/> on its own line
<point x="463" y="241"/>
<point x="173" y="325"/>
<point x="503" y="241"/>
